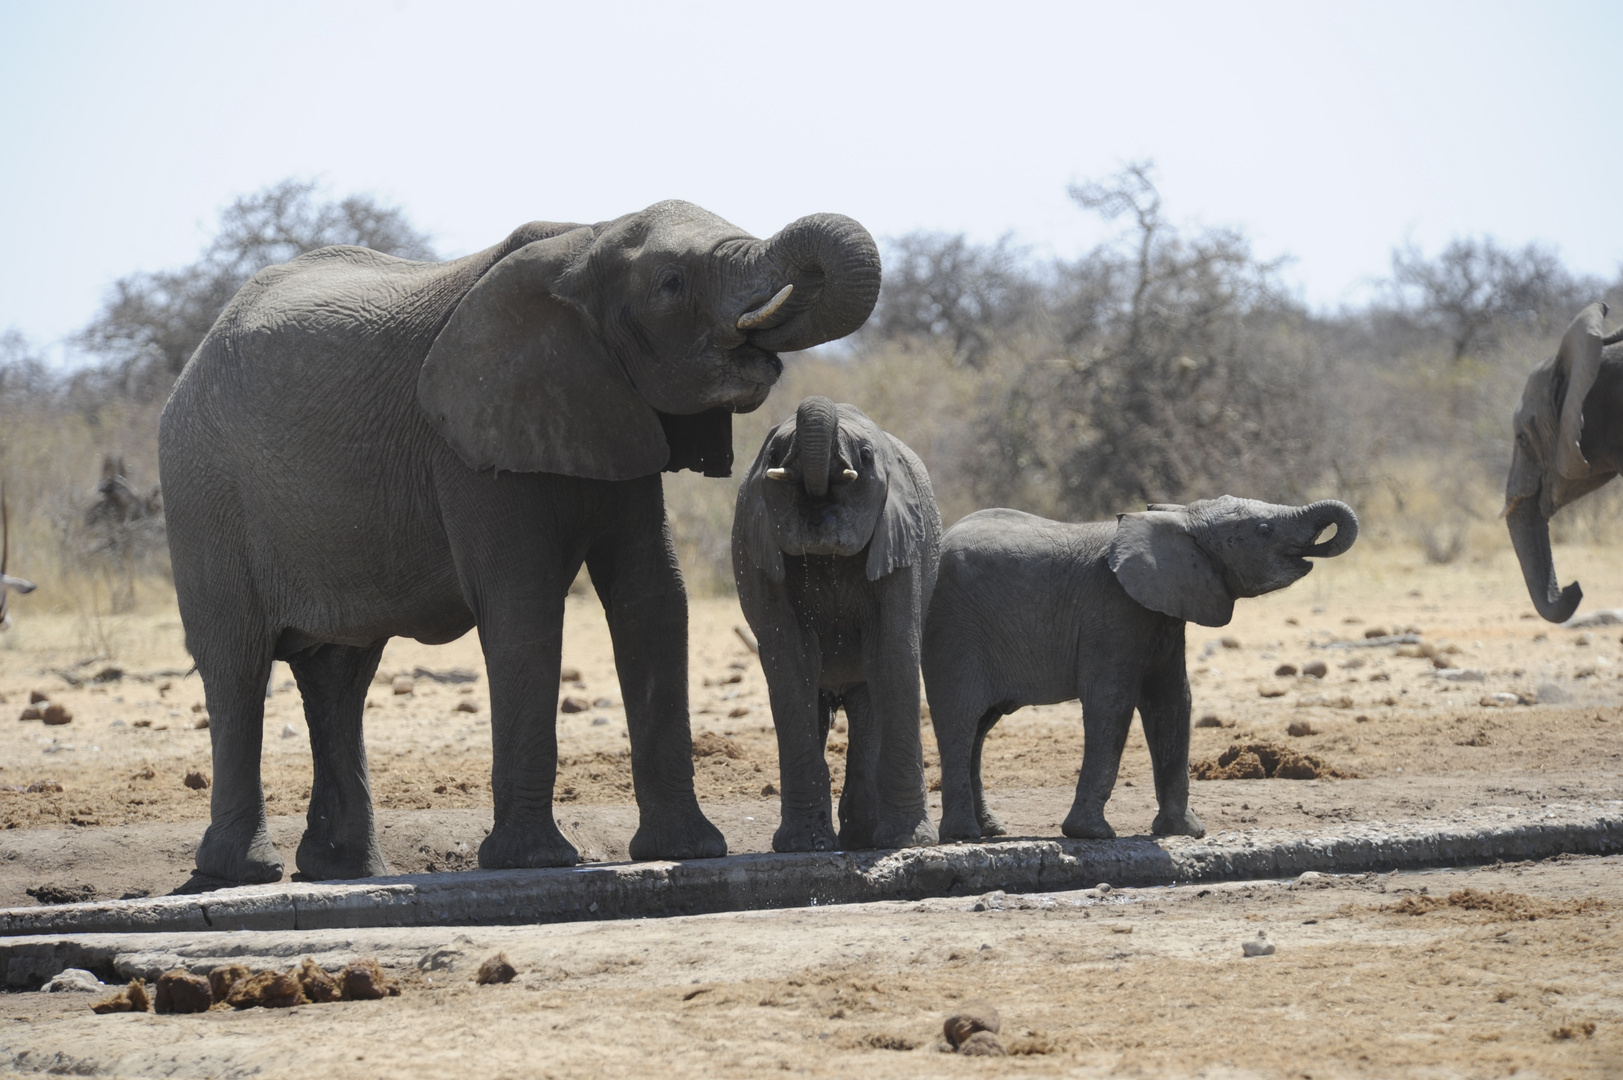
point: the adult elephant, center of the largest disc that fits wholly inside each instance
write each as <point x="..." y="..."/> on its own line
<point x="1569" y="441"/>
<point x="365" y="447"/>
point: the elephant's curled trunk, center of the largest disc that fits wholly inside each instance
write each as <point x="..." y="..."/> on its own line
<point x="815" y="423"/>
<point x="1530" y="535"/>
<point x="833" y="263"/>
<point x="1323" y="514"/>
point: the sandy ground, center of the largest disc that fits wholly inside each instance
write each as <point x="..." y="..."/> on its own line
<point x="1363" y="992"/>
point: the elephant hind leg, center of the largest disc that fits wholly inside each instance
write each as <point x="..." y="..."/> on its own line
<point x="859" y="795"/>
<point x="234" y="667"/>
<point x="340" y="836"/>
<point x="989" y="822"/>
<point x="959" y="732"/>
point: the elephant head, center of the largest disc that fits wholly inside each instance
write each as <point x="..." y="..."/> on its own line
<point x="620" y="349"/>
<point x="1192" y="562"/>
<point x="830" y="482"/>
<point x="7" y="582"/>
<point x="1549" y="466"/>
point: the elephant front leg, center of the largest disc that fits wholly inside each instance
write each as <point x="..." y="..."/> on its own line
<point x="340" y="836"/>
<point x="1164" y="708"/>
<point x="891" y="662"/>
<point x="637" y="579"/>
<point x="859" y="796"/>
<point x="1107" y="715"/>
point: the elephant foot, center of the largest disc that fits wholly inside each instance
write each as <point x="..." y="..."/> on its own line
<point x="681" y="834"/>
<point x="1089" y="824"/>
<point x="957" y="824"/>
<point x="534" y="844"/>
<point x="239" y="853"/>
<point x="1178" y="823"/>
<point x="806" y="833"/>
<point x="903" y="831"/>
<point x="329" y="860"/>
<point x="991" y="824"/>
<point x="857" y="837"/>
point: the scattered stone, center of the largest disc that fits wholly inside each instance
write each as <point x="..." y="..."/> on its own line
<point x="1455" y="674"/>
<point x="133" y="998"/>
<point x="1499" y="701"/>
<point x="1285" y="671"/>
<point x="709" y="744"/>
<point x="769" y="789"/>
<point x="73" y="980"/>
<point x="466" y="705"/>
<point x="57" y="715"/>
<point x="51" y="893"/>
<point x="267" y="990"/>
<point x="603" y="703"/>
<point x="496" y="969"/>
<point x="569" y="674"/>
<point x="992" y="901"/>
<point x="37" y="696"/>
<point x="738" y="710"/>
<point x="599" y="721"/>
<point x="1209" y="720"/>
<point x="1229" y="642"/>
<point x="1586" y="639"/>
<point x="572" y="705"/>
<point x="107" y="675"/>
<point x="1257" y="946"/>
<point x="1264" y="760"/>
<point x="971" y="1017"/>
<point x="179" y="991"/>
<point x="44" y="786"/>
<point x="1103" y="888"/>
<point x="1271" y="691"/>
<point x="1375" y="632"/>
<point x="403" y="684"/>
<point x="288" y="732"/>
<point x="198" y="706"/>
<point x="33" y="712"/>
<point x="196" y="780"/>
<point x="364" y="980"/>
<point x="1298" y="728"/>
<point x="222" y="979"/>
<point x="1316" y="669"/>
<point x="200" y="724"/>
<point x="1310" y="879"/>
<point x="317" y="985"/>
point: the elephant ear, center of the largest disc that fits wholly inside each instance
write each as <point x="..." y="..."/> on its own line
<point x="1157" y="561"/>
<point x="518" y="381"/>
<point x="1578" y="359"/>
<point x="755" y="541"/>
<point x="904" y="528"/>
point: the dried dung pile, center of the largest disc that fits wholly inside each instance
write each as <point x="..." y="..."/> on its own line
<point x="1266" y="761"/>
<point x="1494" y="904"/>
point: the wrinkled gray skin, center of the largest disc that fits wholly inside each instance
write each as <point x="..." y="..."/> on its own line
<point x="834" y="553"/>
<point x="8" y="584"/>
<point x="1569" y="441"/>
<point x="366" y="447"/>
<point x="1028" y="611"/>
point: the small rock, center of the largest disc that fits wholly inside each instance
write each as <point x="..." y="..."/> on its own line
<point x="991" y="901"/>
<point x="73" y="980"/>
<point x="1258" y="946"/>
<point x="982" y="1044"/>
<point x="599" y="721"/>
<point x="1271" y="691"/>
<point x="1498" y="701"/>
<point x="403" y="684"/>
<point x="972" y="1016"/>
<point x="36" y="696"/>
<point x="200" y="724"/>
<point x="1285" y="671"/>
<point x="57" y="715"/>
<point x="1103" y="888"/>
<point x="1316" y="669"/>
<point x="1454" y="674"/>
<point x="179" y="991"/>
<point x="1299" y="728"/>
<point x="107" y="675"/>
<point x="1209" y="720"/>
<point x="573" y="705"/>
<point x="196" y="780"/>
<point x="603" y="703"/>
<point x="288" y="732"/>
<point x="496" y="969"/>
<point x="1586" y="639"/>
<point x="1229" y="642"/>
<point x="49" y="787"/>
<point x="1375" y="632"/>
<point x="769" y="789"/>
<point x="1308" y="878"/>
<point x="738" y="710"/>
<point x="133" y="998"/>
<point x="31" y="713"/>
<point x="466" y="706"/>
<point x="569" y="674"/>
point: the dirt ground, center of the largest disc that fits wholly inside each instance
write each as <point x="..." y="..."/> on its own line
<point x="1524" y="713"/>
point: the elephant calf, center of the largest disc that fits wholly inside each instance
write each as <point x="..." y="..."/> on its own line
<point x="835" y="544"/>
<point x="1033" y="612"/>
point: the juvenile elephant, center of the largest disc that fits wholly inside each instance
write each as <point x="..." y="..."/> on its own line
<point x="366" y="447"/>
<point x="1033" y="612"/>
<point x="1569" y="441"/>
<point x="835" y="543"/>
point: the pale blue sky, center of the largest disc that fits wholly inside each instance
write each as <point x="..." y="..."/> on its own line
<point x="1330" y="133"/>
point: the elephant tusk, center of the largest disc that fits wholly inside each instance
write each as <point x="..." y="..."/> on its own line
<point x="777" y="474"/>
<point x="850" y="474"/>
<point x="752" y="319"/>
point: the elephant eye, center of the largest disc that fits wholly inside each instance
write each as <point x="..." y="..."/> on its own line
<point x="867" y="455"/>
<point x="670" y="281"/>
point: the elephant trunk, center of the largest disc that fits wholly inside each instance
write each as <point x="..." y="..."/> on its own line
<point x="1530" y="535"/>
<point x="1323" y="514"/>
<point x="833" y="265"/>
<point x="815" y="424"/>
